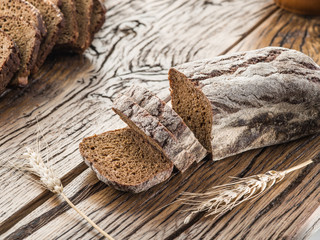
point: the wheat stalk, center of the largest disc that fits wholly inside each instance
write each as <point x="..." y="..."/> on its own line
<point x="35" y="165"/>
<point x="223" y="198"/>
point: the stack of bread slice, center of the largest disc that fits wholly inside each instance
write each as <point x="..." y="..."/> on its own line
<point x="31" y="29"/>
<point x="143" y="155"/>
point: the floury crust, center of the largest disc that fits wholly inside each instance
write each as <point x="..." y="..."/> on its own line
<point x="258" y="98"/>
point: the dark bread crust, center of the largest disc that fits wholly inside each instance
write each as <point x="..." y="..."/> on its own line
<point x="256" y="98"/>
<point x="10" y="60"/>
<point x="169" y="119"/>
<point x="53" y="18"/>
<point x="114" y="140"/>
<point x="27" y="38"/>
<point x="153" y="131"/>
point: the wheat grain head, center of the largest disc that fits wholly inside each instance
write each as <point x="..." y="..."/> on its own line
<point x="223" y="198"/>
<point x="35" y="165"/>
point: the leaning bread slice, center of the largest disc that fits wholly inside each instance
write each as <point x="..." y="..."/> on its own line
<point x="9" y="60"/>
<point x="27" y="39"/>
<point x="25" y="10"/>
<point x="153" y="131"/>
<point x="168" y="118"/>
<point x="123" y="159"/>
<point x="83" y="16"/>
<point x="248" y="100"/>
<point x="52" y="17"/>
<point x="69" y="33"/>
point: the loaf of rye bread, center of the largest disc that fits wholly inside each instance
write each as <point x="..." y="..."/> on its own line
<point x="232" y="103"/>
<point x="154" y="132"/>
<point x="27" y="38"/>
<point x="9" y="60"/>
<point x="125" y="160"/>
<point x="248" y="100"/>
<point x="36" y="26"/>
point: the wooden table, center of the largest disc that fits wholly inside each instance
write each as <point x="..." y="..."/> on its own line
<point x="71" y="97"/>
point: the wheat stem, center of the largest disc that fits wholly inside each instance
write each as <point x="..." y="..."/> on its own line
<point x="298" y="166"/>
<point x="85" y="217"/>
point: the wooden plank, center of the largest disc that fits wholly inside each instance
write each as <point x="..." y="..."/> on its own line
<point x="288" y="30"/>
<point x="148" y="216"/>
<point x="290" y="211"/>
<point x="71" y="96"/>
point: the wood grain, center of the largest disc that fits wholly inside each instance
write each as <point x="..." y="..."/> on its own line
<point x="288" y="30"/>
<point x="147" y="215"/>
<point x="71" y="96"/>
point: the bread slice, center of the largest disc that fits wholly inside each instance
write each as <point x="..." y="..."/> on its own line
<point x="25" y="10"/>
<point x="247" y="100"/>
<point x="125" y="160"/>
<point x="83" y="16"/>
<point x="53" y="18"/>
<point x="169" y="119"/>
<point x="69" y="33"/>
<point x="153" y="131"/>
<point x="27" y="38"/>
<point x="9" y="60"/>
<point x="98" y="17"/>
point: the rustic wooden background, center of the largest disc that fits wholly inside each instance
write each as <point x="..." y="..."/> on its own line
<point x="71" y="97"/>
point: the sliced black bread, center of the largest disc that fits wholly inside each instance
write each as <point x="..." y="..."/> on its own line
<point x="153" y="131"/>
<point x="27" y="38"/>
<point x="98" y="17"/>
<point x="248" y="100"/>
<point x="53" y="19"/>
<point x="83" y="16"/>
<point x="69" y="33"/>
<point x="125" y="160"/>
<point x="9" y="60"/>
<point x="168" y="118"/>
<point x="25" y="10"/>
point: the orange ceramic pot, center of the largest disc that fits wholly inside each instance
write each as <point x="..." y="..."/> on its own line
<point x="305" y="7"/>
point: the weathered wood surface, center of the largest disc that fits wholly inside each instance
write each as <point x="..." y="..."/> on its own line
<point x="146" y="215"/>
<point x="72" y="99"/>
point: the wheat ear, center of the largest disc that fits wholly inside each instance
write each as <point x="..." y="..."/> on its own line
<point x="223" y="198"/>
<point x="35" y="165"/>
